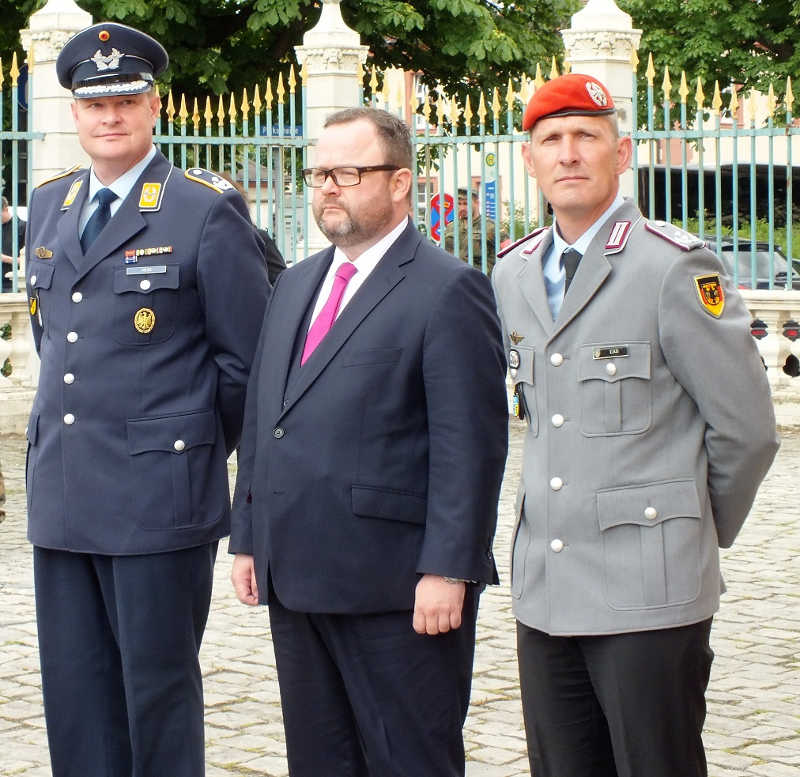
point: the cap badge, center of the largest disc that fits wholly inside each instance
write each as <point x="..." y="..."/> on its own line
<point x="597" y="94"/>
<point x="144" y="320"/>
<point x="110" y="62"/>
<point x="104" y="35"/>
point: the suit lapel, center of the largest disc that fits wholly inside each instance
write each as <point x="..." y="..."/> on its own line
<point x="593" y="270"/>
<point x="531" y="282"/>
<point x="128" y="220"/>
<point x="68" y="225"/>
<point x="386" y="275"/>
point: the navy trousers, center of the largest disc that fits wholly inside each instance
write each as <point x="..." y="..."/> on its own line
<point x="118" y="641"/>
<point x="366" y="696"/>
<point x="619" y="705"/>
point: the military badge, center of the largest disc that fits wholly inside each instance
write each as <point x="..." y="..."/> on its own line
<point x="207" y="178"/>
<point x="597" y="94"/>
<point x="144" y="320"/>
<point x="150" y="196"/>
<point x="72" y="193"/>
<point x="33" y="306"/>
<point x="516" y="338"/>
<point x="43" y="253"/>
<point x="513" y="359"/>
<point x="107" y="62"/>
<point x="710" y="293"/>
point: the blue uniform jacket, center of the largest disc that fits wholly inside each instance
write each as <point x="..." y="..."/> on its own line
<point x="145" y="346"/>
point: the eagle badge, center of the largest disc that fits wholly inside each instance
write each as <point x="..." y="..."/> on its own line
<point x="144" y="320"/>
<point x="710" y="293"/>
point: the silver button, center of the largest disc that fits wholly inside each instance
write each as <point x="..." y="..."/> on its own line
<point x="144" y="285"/>
<point x="611" y="368"/>
<point x="556" y="359"/>
<point x="69" y="419"/>
<point x="278" y="432"/>
<point x="72" y="337"/>
<point x="556" y="483"/>
<point x="77" y="297"/>
<point x="33" y="280"/>
<point x="556" y="545"/>
<point x="179" y="445"/>
<point x="69" y="378"/>
<point x="557" y="420"/>
<point x="650" y="513"/>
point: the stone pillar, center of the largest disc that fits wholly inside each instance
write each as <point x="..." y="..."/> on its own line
<point x="331" y="53"/>
<point x="600" y="42"/>
<point x="48" y="30"/>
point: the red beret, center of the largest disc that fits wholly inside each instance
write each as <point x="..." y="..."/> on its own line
<point x="574" y="94"/>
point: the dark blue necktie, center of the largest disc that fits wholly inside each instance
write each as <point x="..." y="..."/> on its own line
<point x="94" y="226"/>
<point x="569" y="261"/>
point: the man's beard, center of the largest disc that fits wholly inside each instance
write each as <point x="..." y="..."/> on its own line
<point x="348" y="231"/>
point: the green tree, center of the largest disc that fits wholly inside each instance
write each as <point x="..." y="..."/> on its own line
<point x="748" y="42"/>
<point x="226" y="45"/>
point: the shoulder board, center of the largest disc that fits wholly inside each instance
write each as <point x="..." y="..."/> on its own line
<point x="207" y="178"/>
<point x="58" y="176"/>
<point x="672" y="234"/>
<point x="503" y="251"/>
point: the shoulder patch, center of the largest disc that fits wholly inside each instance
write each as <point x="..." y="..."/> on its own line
<point x="672" y="234"/>
<point x="503" y="251"/>
<point x="207" y="178"/>
<point x="59" y="176"/>
<point x="710" y="293"/>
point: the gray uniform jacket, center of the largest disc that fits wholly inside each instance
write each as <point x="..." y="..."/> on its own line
<point x="146" y="343"/>
<point x="650" y="427"/>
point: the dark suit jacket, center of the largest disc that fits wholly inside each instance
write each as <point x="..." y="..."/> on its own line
<point x="148" y="354"/>
<point x="272" y="256"/>
<point x="381" y="458"/>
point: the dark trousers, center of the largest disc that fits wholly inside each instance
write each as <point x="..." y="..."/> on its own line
<point x="118" y="643"/>
<point x="622" y="705"/>
<point x="366" y="695"/>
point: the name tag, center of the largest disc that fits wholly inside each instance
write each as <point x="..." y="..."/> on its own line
<point x="610" y="352"/>
<point x="151" y="270"/>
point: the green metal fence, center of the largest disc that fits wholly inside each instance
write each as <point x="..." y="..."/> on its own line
<point x="16" y="160"/>
<point x="721" y="173"/>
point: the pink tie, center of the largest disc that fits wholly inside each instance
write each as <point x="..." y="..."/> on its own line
<point x="324" y="321"/>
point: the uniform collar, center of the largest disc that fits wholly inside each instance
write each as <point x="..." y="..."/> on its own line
<point x="122" y="185"/>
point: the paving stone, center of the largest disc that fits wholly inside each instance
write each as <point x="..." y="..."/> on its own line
<point x="753" y="720"/>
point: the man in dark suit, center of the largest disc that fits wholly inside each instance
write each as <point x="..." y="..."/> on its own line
<point x="369" y="472"/>
<point x="146" y="287"/>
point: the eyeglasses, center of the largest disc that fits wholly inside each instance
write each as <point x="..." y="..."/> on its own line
<point x="315" y="177"/>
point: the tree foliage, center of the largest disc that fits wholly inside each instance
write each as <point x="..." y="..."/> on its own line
<point x="748" y="42"/>
<point x="216" y="46"/>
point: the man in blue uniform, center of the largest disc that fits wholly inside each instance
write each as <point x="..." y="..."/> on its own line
<point x="147" y="289"/>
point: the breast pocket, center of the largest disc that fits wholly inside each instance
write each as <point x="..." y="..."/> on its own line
<point x="146" y="305"/>
<point x="40" y="280"/>
<point x="615" y="390"/>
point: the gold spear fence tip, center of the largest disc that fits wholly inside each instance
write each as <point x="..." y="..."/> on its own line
<point x="651" y="70"/>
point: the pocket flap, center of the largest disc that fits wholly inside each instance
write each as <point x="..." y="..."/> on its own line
<point x="372" y="356"/>
<point x="392" y="505"/>
<point x="41" y="275"/>
<point x="636" y="364"/>
<point x="647" y="505"/>
<point x="172" y="434"/>
<point x="146" y="283"/>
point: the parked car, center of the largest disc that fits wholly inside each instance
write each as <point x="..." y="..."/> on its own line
<point x="745" y="263"/>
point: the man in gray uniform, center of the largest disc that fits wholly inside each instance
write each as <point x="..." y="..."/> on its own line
<point x="146" y="288"/>
<point x="650" y="427"/>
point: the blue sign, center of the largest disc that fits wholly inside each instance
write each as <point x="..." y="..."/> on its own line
<point x="490" y="199"/>
<point x="287" y="131"/>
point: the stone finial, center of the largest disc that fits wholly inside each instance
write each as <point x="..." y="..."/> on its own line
<point x="601" y="15"/>
<point x="331" y="30"/>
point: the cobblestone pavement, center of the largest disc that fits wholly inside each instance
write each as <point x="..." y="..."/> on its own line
<point x="753" y="724"/>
